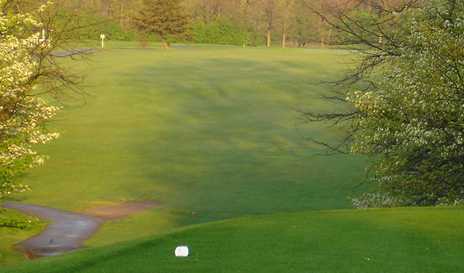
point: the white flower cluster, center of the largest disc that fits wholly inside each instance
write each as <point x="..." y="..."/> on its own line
<point x="375" y="200"/>
<point x="22" y="114"/>
<point x="414" y="117"/>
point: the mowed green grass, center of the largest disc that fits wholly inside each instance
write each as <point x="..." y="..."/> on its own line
<point x="345" y="241"/>
<point x="209" y="132"/>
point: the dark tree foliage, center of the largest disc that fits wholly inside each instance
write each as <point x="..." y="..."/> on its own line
<point x="164" y="18"/>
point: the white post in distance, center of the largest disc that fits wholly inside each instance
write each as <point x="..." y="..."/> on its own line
<point x="102" y="37"/>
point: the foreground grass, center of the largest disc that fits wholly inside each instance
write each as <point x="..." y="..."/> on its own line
<point x="346" y="241"/>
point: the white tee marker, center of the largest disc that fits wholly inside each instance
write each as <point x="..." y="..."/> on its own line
<point x="182" y="251"/>
<point x="103" y="37"/>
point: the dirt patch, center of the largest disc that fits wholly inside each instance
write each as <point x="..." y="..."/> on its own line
<point x="120" y="210"/>
<point x="67" y="231"/>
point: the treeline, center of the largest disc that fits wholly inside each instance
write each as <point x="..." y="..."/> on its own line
<point x="294" y="23"/>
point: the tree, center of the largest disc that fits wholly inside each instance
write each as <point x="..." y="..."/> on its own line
<point x="286" y="9"/>
<point x="305" y="30"/>
<point x="22" y="114"/>
<point x="250" y="13"/>
<point x="269" y="14"/>
<point x="30" y="77"/>
<point x="164" y="18"/>
<point x="407" y="99"/>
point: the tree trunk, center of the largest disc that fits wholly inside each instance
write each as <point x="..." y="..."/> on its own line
<point x="165" y="44"/>
<point x="322" y="32"/>
<point x="329" y="37"/>
<point x="121" y="15"/>
<point x="284" y="33"/>
<point x="269" y="38"/>
<point x="321" y="26"/>
<point x="106" y="7"/>
<point x="284" y="39"/>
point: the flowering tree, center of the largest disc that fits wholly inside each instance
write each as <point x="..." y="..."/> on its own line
<point x="22" y="112"/>
<point x="407" y="103"/>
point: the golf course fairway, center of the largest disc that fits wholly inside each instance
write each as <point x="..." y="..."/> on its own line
<point x="214" y="137"/>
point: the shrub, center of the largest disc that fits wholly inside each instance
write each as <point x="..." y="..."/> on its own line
<point x="10" y="220"/>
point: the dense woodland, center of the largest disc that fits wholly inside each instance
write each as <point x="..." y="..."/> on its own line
<point x="286" y="23"/>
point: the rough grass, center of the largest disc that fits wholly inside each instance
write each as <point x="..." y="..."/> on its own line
<point x="345" y="241"/>
<point x="9" y="235"/>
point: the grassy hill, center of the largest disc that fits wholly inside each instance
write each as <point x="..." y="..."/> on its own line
<point x="344" y="241"/>
<point x="209" y="132"/>
<point x="212" y="134"/>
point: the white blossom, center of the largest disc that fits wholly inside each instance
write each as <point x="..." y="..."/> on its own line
<point x="22" y="114"/>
